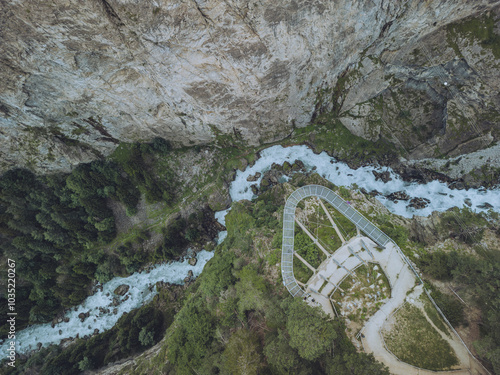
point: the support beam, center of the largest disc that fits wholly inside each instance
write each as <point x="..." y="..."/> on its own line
<point x="329" y="282"/>
<point x="313" y="290"/>
<point x="366" y="248"/>
<point x="357" y="231"/>
<point x="356" y="255"/>
<point x="331" y="221"/>
<point x="341" y="266"/>
<point x="334" y="308"/>
<point x="304" y="261"/>
<point x="315" y="240"/>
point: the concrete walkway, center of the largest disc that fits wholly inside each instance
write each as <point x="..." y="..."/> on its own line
<point x="401" y="279"/>
<point x="374" y="343"/>
<point x="374" y="247"/>
<point x="287" y="250"/>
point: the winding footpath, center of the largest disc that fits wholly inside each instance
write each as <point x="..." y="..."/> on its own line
<point x="374" y="247"/>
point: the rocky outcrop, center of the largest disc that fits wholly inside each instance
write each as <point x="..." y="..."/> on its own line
<point x="77" y="77"/>
<point x="432" y="98"/>
<point x="192" y="261"/>
<point x="424" y="229"/>
<point x="254" y="177"/>
<point x="419" y="203"/>
<point x="121" y="289"/>
<point x="398" y="196"/>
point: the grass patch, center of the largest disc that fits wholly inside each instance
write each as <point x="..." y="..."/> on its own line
<point x="327" y="133"/>
<point x="307" y="249"/>
<point x="300" y="271"/>
<point x="346" y="227"/>
<point x="433" y="315"/>
<point x="481" y="29"/>
<point x="413" y="340"/>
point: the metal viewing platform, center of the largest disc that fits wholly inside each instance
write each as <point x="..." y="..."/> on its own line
<point x="287" y="250"/>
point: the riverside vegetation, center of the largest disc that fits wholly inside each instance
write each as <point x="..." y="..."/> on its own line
<point x="239" y="298"/>
<point x="238" y="305"/>
<point x="235" y="318"/>
<point x="239" y="318"/>
<point x="56" y="227"/>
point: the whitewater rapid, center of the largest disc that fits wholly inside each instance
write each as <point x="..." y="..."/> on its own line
<point x="138" y="294"/>
<point x="440" y="195"/>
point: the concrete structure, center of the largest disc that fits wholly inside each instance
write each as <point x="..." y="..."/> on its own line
<point x="375" y="247"/>
<point x="287" y="252"/>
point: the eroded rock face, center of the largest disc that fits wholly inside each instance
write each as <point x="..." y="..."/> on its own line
<point x="78" y="77"/>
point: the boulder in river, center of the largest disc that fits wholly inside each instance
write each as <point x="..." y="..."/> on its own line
<point x="270" y="178"/>
<point x="255" y="189"/>
<point x="468" y="202"/>
<point x="254" y="177"/>
<point x="82" y="316"/>
<point x="188" y="277"/>
<point x="298" y="165"/>
<point x="485" y="205"/>
<point x="122" y="289"/>
<point x="193" y="261"/>
<point x="382" y="176"/>
<point x="398" y="196"/>
<point x="419" y="203"/>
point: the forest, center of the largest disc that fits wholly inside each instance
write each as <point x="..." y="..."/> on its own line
<point x="481" y="277"/>
<point x="56" y="227"/>
<point x="237" y="317"/>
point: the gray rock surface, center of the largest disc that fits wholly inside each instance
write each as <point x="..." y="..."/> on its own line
<point x="77" y="77"/>
<point x="121" y="289"/>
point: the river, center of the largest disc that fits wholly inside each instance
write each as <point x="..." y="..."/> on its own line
<point x="440" y="195"/>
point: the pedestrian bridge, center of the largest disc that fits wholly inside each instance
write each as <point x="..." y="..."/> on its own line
<point x="373" y="247"/>
<point x="287" y="251"/>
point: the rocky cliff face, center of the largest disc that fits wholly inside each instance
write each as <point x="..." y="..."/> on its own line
<point x="77" y="77"/>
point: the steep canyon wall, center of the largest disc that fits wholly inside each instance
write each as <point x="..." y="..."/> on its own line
<point x="77" y="77"/>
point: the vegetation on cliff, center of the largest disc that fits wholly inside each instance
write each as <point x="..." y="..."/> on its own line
<point x="55" y="227"/>
<point x="239" y="318"/>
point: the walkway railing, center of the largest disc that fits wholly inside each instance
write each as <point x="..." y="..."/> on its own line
<point x="339" y="204"/>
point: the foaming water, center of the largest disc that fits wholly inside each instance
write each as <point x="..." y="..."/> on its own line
<point x="138" y="294"/>
<point x="440" y="195"/>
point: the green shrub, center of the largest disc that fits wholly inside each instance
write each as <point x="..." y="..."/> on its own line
<point x="344" y="192"/>
<point x="146" y="337"/>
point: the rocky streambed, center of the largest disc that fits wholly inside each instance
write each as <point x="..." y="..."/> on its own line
<point x="402" y="195"/>
<point x="276" y="164"/>
<point x="108" y="303"/>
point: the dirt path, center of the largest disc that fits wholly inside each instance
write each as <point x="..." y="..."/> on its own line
<point x="343" y="261"/>
<point x="374" y="343"/>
